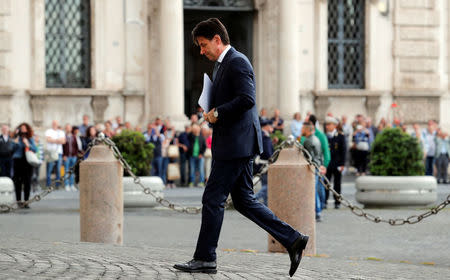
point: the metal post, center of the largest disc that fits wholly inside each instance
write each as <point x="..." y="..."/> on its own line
<point x="291" y="196"/>
<point x="101" y="197"/>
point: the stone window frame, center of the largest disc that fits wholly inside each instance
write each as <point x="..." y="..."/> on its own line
<point x="321" y="81"/>
<point x="343" y="81"/>
<point x="38" y="46"/>
<point x="70" y="66"/>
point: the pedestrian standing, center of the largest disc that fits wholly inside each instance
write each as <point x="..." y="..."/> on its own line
<point x="6" y="149"/>
<point x="55" y="138"/>
<point x="429" y="140"/>
<point x="70" y="153"/>
<point x="313" y="146"/>
<point x="338" y="149"/>
<point x="442" y="156"/>
<point x="296" y="125"/>
<point x="23" y="142"/>
<point x="183" y="145"/>
<point x="266" y="129"/>
<point x="277" y="121"/>
<point x="196" y="152"/>
<point x="361" y="149"/>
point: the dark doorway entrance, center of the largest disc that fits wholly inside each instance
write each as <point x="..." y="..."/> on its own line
<point x="240" y="29"/>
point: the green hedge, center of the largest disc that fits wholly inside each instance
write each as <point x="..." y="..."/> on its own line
<point x="395" y="153"/>
<point x="135" y="151"/>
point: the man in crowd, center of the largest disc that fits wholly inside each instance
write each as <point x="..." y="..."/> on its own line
<point x="296" y="125"/>
<point x="277" y="121"/>
<point x="266" y="129"/>
<point x="55" y="138"/>
<point x="312" y="145"/>
<point x="442" y="156"/>
<point x="153" y="135"/>
<point x="183" y="144"/>
<point x="196" y="151"/>
<point x="84" y="126"/>
<point x="326" y="156"/>
<point x="70" y="152"/>
<point x="6" y="148"/>
<point x="338" y="148"/>
<point x="429" y="141"/>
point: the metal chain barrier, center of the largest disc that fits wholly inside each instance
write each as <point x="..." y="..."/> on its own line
<point x="5" y="208"/>
<point x="358" y="211"/>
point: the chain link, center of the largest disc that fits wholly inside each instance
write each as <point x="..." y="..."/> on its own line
<point x="5" y="208"/>
<point x="358" y="211"/>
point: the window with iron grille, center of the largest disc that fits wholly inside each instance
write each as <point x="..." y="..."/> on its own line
<point x="346" y="43"/>
<point x="67" y="43"/>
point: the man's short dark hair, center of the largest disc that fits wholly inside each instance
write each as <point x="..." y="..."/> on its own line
<point x="308" y="125"/>
<point x="313" y="119"/>
<point x="208" y="29"/>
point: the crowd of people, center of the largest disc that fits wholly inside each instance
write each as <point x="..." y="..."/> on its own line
<point x="339" y="147"/>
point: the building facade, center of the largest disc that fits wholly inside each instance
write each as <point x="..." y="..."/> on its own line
<point x="135" y="58"/>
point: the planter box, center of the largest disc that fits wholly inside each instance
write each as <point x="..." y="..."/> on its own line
<point x="7" y="192"/>
<point x="134" y="196"/>
<point x="376" y="191"/>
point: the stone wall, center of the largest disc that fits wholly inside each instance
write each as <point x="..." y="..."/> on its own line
<point x="417" y="77"/>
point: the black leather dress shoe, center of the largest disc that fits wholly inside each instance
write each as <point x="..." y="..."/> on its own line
<point x="296" y="251"/>
<point x="197" y="266"/>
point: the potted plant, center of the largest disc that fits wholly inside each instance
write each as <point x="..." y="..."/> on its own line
<point x="396" y="167"/>
<point x="139" y="155"/>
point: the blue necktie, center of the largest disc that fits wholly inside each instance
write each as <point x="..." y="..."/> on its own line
<point x="216" y="68"/>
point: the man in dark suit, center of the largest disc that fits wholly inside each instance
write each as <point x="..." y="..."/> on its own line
<point x="235" y="142"/>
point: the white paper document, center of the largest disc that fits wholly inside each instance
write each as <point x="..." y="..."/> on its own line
<point x="203" y="101"/>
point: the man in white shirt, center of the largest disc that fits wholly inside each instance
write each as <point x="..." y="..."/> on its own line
<point x="55" y="138"/>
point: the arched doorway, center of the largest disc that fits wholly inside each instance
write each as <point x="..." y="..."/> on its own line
<point x="237" y="16"/>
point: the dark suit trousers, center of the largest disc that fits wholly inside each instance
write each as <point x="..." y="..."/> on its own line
<point x="235" y="177"/>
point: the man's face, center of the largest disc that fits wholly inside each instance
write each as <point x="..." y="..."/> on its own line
<point x="5" y="129"/>
<point x="85" y="120"/>
<point x="209" y="48"/>
<point x="330" y="127"/>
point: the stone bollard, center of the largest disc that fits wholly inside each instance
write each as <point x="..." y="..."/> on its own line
<point x="101" y="197"/>
<point x="291" y="196"/>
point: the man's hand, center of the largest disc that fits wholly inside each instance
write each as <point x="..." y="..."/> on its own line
<point x="323" y="170"/>
<point x="209" y="117"/>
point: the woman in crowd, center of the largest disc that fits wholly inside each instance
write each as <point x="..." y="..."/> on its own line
<point x="23" y="171"/>
<point x="91" y="134"/>
<point x="361" y="148"/>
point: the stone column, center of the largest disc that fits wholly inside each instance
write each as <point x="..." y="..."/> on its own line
<point x="171" y="61"/>
<point x="289" y="70"/>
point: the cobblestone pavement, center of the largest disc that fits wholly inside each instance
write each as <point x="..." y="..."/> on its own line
<point x="20" y="259"/>
<point x="43" y="243"/>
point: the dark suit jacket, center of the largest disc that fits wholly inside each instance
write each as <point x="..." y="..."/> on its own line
<point x="338" y="149"/>
<point x="237" y="133"/>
